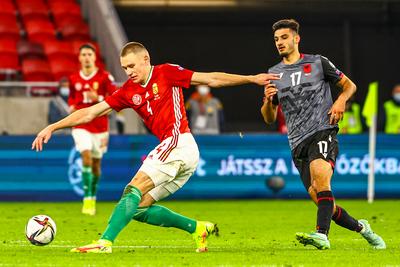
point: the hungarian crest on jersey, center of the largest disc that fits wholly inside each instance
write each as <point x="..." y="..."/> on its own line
<point x="136" y="99"/>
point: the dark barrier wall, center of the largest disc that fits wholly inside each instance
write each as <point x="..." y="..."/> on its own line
<point x="231" y="166"/>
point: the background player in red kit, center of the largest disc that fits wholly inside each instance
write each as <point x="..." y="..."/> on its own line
<point x="89" y="86"/>
<point x="155" y="93"/>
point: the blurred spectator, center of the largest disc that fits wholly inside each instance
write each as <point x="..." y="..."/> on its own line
<point x="351" y="123"/>
<point x="120" y="121"/>
<point x="205" y="112"/>
<point x="63" y="90"/>
<point x="58" y="107"/>
<point x="392" y="112"/>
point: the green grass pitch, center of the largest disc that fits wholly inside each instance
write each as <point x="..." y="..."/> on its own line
<point x="253" y="233"/>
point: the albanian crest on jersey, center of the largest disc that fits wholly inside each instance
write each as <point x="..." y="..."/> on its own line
<point x="136" y="99"/>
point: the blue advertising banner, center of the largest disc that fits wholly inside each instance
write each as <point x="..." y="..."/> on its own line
<point x="231" y="166"/>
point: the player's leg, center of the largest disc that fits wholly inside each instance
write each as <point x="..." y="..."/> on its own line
<point x="162" y="216"/>
<point x="96" y="170"/>
<point x="84" y="144"/>
<point x="122" y="214"/>
<point x="184" y="160"/>
<point x="316" y="174"/>
<point x="321" y="173"/>
<point x="345" y="220"/>
<point x="100" y="143"/>
<point x="87" y="174"/>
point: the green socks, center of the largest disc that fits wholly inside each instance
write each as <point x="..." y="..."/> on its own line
<point x="123" y="212"/>
<point x="162" y="216"/>
<point x="87" y="178"/>
<point x="95" y="181"/>
<point x="89" y="182"/>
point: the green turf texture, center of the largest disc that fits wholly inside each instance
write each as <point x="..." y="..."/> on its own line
<point x="253" y="233"/>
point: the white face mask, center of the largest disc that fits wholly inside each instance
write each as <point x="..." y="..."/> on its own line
<point x="64" y="91"/>
<point x="203" y="90"/>
<point x="396" y="97"/>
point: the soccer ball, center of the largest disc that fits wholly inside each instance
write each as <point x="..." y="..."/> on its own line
<point x="40" y="230"/>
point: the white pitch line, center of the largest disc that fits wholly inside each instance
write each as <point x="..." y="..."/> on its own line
<point x="20" y="243"/>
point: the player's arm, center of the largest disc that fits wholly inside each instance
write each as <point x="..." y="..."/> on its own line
<point x="339" y="107"/>
<point x="270" y="107"/>
<point x="80" y="116"/>
<point x="220" y="79"/>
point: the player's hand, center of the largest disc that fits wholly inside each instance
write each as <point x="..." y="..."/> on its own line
<point x="265" y="78"/>
<point x="336" y="111"/>
<point x="42" y="137"/>
<point x="269" y="91"/>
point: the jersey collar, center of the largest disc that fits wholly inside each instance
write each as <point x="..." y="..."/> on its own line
<point x="90" y="76"/>
<point x="148" y="78"/>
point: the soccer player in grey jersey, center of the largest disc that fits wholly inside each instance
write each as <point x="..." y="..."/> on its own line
<point x="311" y="116"/>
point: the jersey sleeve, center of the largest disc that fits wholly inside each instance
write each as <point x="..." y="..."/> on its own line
<point x="177" y="75"/>
<point x="117" y="100"/>
<point x="331" y="73"/>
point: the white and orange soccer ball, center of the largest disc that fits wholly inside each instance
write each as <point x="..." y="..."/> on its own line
<point x="40" y="230"/>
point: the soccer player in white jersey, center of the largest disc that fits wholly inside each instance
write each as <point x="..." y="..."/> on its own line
<point x="155" y="93"/>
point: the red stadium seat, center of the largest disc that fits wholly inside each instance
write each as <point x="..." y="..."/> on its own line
<point x="8" y="46"/>
<point x="7" y="8"/>
<point x="9" y="28"/>
<point x="36" y="70"/>
<point x="76" y="32"/>
<point x="40" y="30"/>
<point x="58" y="49"/>
<point x="9" y="66"/>
<point x="63" y="1"/>
<point x="63" y="21"/>
<point x="30" y="50"/>
<point x="62" y="68"/>
<point x="34" y="10"/>
<point x="24" y="2"/>
<point x="65" y="8"/>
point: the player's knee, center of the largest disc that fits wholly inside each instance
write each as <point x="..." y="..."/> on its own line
<point x="142" y="182"/>
<point x="96" y="170"/>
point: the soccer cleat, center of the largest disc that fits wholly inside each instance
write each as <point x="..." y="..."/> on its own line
<point x="373" y="239"/>
<point x="318" y="240"/>
<point x="100" y="246"/>
<point x="89" y="206"/>
<point x="203" y="231"/>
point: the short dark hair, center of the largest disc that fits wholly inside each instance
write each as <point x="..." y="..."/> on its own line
<point x="87" y="46"/>
<point x="286" y="24"/>
<point x="132" y="47"/>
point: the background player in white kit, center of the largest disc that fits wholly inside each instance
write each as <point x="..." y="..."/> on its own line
<point x="155" y="93"/>
<point x="87" y="87"/>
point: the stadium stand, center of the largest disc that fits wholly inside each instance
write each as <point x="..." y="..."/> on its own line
<point x="39" y="39"/>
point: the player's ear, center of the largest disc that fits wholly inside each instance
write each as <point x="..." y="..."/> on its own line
<point x="297" y="39"/>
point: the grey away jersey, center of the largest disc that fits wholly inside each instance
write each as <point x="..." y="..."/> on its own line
<point x="305" y="95"/>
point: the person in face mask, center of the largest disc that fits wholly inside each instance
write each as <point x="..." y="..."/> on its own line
<point x="392" y="112"/>
<point x="63" y="90"/>
<point x="205" y="112"/>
